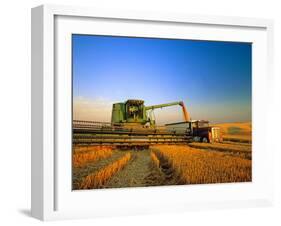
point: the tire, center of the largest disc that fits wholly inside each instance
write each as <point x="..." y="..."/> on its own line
<point x="204" y="140"/>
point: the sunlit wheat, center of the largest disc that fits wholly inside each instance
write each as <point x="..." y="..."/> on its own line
<point x="84" y="155"/>
<point x="155" y="160"/>
<point x="198" y="166"/>
<point x="98" y="179"/>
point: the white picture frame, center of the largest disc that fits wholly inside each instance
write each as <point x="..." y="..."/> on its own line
<point x="52" y="197"/>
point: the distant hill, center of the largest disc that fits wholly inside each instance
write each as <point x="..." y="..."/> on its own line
<point x="236" y="130"/>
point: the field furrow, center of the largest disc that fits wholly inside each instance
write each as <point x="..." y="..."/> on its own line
<point x="140" y="171"/>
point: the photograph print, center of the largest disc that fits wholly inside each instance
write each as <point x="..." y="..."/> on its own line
<point x="159" y="112"/>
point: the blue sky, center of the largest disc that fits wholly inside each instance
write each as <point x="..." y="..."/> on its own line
<point x="212" y="78"/>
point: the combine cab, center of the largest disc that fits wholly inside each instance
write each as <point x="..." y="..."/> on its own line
<point x="133" y="126"/>
<point x="133" y="113"/>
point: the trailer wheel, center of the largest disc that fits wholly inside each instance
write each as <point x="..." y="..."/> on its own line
<point x="204" y="140"/>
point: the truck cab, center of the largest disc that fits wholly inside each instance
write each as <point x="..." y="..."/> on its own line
<point x="203" y="132"/>
<point x="199" y="130"/>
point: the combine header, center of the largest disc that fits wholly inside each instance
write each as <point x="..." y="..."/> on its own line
<point x="133" y="126"/>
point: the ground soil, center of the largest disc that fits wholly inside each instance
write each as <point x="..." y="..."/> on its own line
<point x="141" y="172"/>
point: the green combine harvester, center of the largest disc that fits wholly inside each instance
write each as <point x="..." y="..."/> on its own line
<point x="133" y="126"/>
<point x="134" y="113"/>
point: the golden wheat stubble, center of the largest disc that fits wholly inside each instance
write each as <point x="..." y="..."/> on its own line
<point x="201" y="167"/>
<point x="98" y="179"/>
<point x="84" y="155"/>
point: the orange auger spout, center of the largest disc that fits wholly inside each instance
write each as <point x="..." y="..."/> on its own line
<point x="185" y="113"/>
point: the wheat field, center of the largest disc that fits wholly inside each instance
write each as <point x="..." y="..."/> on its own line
<point x="84" y="155"/>
<point x="199" y="167"/>
<point x="98" y="179"/>
<point x="236" y="131"/>
<point x="193" y="163"/>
